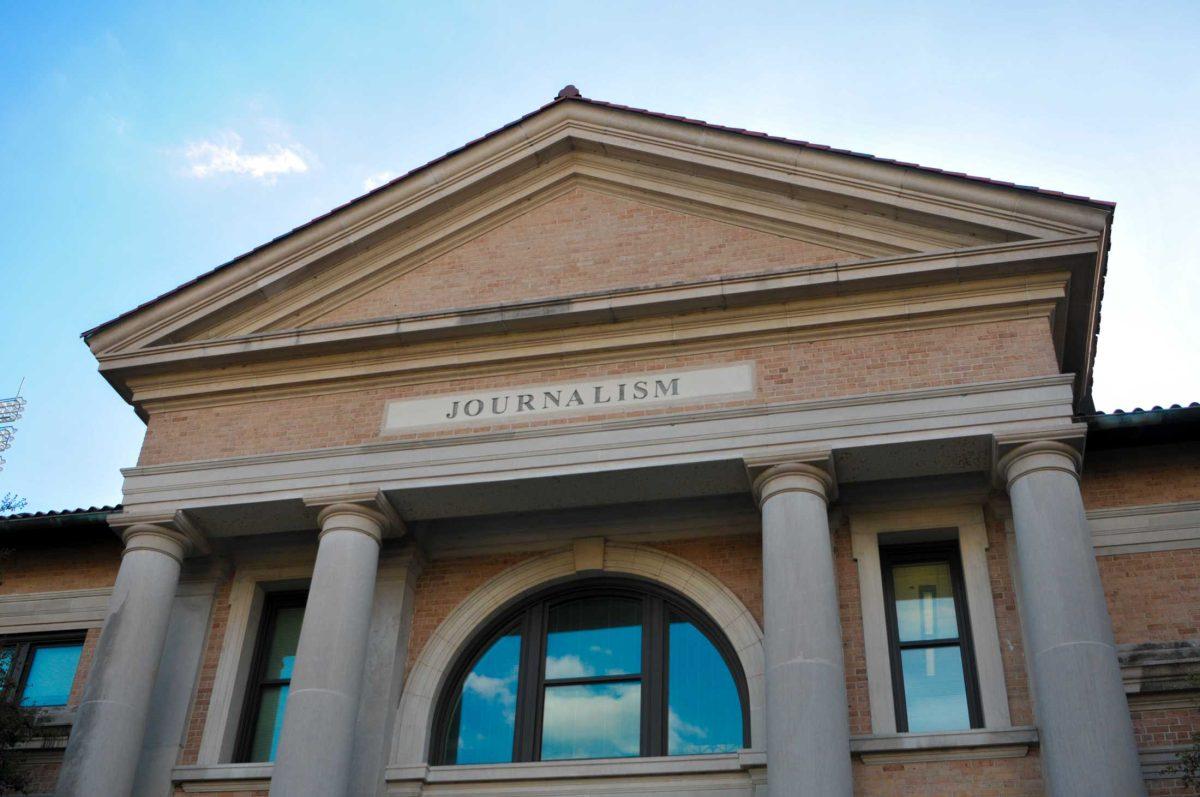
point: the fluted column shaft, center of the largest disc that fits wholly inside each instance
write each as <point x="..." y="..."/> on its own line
<point x="1087" y="739"/>
<point x="808" y="729"/>
<point x="106" y="737"/>
<point x="315" y="746"/>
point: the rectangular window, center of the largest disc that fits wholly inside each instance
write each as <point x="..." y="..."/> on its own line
<point x="271" y="675"/>
<point x="933" y="668"/>
<point x="39" y="671"/>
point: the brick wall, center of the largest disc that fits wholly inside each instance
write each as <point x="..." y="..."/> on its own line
<point x="1003" y="777"/>
<point x="1160" y="474"/>
<point x="581" y="242"/>
<point x="786" y="372"/>
<point x="61" y="561"/>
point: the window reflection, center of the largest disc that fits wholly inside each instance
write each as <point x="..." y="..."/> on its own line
<point x="592" y="721"/>
<point x="51" y="674"/>
<point x="705" y="712"/>
<point x="483" y="717"/>
<point x="594" y="636"/>
<point x="934" y="689"/>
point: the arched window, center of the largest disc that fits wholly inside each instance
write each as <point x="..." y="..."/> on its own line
<point x="600" y="668"/>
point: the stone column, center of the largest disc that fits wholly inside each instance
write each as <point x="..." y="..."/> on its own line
<point x="808" y="728"/>
<point x="316" y="744"/>
<point x="1086" y="733"/>
<point x="106" y="740"/>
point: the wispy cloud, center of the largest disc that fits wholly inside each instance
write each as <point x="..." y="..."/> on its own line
<point x="373" y="181"/>
<point x="224" y="155"/>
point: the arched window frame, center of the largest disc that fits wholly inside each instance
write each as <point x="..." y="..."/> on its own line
<point x="530" y="613"/>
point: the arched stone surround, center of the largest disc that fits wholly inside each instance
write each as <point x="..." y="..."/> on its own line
<point x="410" y="743"/>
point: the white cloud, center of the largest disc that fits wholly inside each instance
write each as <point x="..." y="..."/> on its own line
<point x="224" y="155"/>
<point x="489" y="688"/>
<point x="568" y="666"/>
<point x="373" y="181"/>
<point x="588" y="721"/>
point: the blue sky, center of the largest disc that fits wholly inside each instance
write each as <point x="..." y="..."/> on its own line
<point x="144" y="143"/>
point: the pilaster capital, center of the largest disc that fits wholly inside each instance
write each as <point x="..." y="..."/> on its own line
<point x="1038" y="456"/>
<point x="791" y="477"/>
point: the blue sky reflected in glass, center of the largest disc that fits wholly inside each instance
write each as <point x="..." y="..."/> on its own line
<point x="487" y="707"/>
<point x="269" y="724"/>
<point x="51" y="673"/>
<point x="594" y="636"/>
<point x="592" y="721"/>
<point x="705" y="712"/>
<point x="934" y="690"/>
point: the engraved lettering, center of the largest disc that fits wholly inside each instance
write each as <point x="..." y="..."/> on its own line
<point x="599" y="391"/>
<point x="662" y="388"/>
<point x="496" y="408"/>
<point x="575" y="400"/>
<point x="525" y="402"/>
<point x="640" y="389"/>
<point x="478" y="404"/>
<point x="548" y="396"/>
<point x="453" y="410"/>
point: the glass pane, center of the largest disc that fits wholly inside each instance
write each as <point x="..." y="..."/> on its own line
<point x="592" y="721"/>
<point x="481" y="724"/>
<point x="281" y="655"/>
<point x="269" y="723"/>
<point x="594" y="636"/>
<point x="934" y="691"/>
<point x="705" y="712"/>
<point x="51" y="673"/>
<point x="924" y="602"/>
<point x="7" y="654"/>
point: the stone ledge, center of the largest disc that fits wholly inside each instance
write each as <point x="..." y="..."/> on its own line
<point x="201" y="779"/>
<point x="1159" y="667"/>
<point x="908" y="748"/>
<point x="595" y="768"/>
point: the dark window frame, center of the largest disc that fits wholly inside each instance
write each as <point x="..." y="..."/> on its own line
<point x="929" y="553"/>
<point x="25" y="643"/>
<point x="530" y="615"/>
<point x="256" y="682"/>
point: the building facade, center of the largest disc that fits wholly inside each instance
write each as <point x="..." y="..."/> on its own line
<point x="620" y="453"/>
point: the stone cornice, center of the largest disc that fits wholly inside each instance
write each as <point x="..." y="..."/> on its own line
<point x="709" y="326"/>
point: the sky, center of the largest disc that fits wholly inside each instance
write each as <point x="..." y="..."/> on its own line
<point x="142" y="144"/>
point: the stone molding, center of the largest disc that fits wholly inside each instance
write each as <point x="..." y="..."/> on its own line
<point x="769" y="433"/>
<point x="1146" y="528"/>
<point x="912" y="748"/>
<point x="594" y="329"/>
<point x="425" y="680"/>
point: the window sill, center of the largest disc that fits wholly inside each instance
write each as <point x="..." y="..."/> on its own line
<point x="594" y="768"/>
<point x="230" y="777"/>
<point x="908" y="748"/>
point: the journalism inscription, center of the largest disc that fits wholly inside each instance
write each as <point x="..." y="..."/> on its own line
<point x="610" y="394"/>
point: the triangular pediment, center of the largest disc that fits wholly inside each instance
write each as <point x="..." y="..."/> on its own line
<point x="580" y="200"/>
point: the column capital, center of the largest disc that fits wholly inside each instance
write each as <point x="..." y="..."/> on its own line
<point x="793" y="477"/>
<point x="1040" y="455"/>
<point x="153" y="537"/>
<point x="345" y="516"/>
